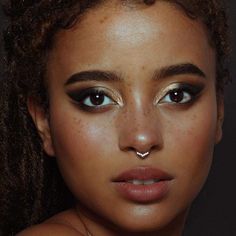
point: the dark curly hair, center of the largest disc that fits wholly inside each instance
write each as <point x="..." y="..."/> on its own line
<point x="31" y="188"/>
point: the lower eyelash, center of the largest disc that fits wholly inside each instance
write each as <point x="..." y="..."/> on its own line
<point x="79" y="97"/>
<point x="192" y="90"/>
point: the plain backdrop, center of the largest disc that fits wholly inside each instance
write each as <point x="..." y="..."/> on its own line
<point x="214" y="211"/>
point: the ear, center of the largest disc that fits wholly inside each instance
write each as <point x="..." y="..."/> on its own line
<point x="220" y="118"/>
<point x="41" y="122"/>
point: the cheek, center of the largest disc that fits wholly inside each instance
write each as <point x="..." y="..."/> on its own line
<point x="79" y="138"/>
<point x="191" y="140"/>
<point x="195" y="144"/>
<point x="82" y="143"/>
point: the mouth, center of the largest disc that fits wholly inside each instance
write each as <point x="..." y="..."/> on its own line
<point x="143" y="184"/>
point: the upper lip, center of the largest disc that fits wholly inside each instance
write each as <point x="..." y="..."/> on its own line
<point x="142" y="173"/>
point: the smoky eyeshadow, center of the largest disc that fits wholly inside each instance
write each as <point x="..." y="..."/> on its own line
<point x="80" y="95"/>
<point x="191" y="89"/>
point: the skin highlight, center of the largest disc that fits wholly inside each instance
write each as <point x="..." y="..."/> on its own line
<point x="138" y="117"/>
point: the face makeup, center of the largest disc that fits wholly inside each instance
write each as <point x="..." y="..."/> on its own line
<point x="113" y="95"/>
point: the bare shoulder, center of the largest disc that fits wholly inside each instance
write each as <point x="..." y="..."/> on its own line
<point x="63" y="224"/>
<point x="50" y="229"/>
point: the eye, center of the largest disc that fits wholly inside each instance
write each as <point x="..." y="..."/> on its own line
<point x="176" y="96"/>
<point x="91" y="98"/>
<point x="96" y="99"/>
<point x="181" y="94"/>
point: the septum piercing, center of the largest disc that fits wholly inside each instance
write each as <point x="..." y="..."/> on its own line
<point x="142" y="155"/>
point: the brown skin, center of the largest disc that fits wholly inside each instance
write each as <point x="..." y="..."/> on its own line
<point x="94" y="146"/>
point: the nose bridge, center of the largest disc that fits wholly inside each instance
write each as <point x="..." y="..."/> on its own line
<point x="140" y="118"/>
<point x="140" y="129"/>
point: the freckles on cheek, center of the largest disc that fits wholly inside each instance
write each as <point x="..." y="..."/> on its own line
<point x="191" y="152"/>
<point x="195" y="134"/>
<point x="79" y="137"/>
<point x="67" y="135"/>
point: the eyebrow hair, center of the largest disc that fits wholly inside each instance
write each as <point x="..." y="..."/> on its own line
<point x="168" y="71"/>
<point x="93" y="75"/>
<point x="179" y="69"/>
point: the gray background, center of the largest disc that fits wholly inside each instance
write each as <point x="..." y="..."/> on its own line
<point x="214" y="211"/>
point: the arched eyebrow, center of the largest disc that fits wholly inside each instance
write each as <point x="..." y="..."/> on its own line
<point x="178" y="69"/>
<point x="162" y="73"/>
<point x="94" y="75"/>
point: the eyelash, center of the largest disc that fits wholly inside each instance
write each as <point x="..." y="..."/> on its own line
<point x="84" y="98"/>
<point x="185" y="92"/>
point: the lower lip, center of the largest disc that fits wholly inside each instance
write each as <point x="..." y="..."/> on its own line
<point x="143" y="193"/>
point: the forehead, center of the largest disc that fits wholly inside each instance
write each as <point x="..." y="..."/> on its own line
<point x="121" y="18"/>
<point x="117" y="30"/>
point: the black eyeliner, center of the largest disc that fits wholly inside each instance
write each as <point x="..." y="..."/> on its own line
<point x="194" y="91"/>
<point x="79" y="95"/>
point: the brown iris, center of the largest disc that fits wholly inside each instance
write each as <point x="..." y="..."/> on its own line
<point x="97" y="99"/>
<point x="176" y="96"/>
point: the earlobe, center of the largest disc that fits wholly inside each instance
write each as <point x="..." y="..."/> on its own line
<point x="41" y="122"/>
<point x="220" y="119"/>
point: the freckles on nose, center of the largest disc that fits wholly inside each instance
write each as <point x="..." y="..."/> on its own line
<point x="139" y="133"/>
<point x="103" y="19"/>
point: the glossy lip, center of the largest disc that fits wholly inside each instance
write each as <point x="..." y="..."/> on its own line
<point x="143" y="193"/>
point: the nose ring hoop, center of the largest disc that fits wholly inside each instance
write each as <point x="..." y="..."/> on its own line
<point x="142" y="155"/>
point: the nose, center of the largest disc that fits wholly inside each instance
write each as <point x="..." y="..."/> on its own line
<point x="140" y="132"/>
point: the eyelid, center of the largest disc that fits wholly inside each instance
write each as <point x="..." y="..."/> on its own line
<point x="82" y="93"/>
<point x="196" y="89"/>
<point x="165" y="91"/>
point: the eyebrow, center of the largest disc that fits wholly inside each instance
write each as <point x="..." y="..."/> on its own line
<point x="179" y="69"/>
<point x="164" y="72"/>
<point x="93" y="75"/>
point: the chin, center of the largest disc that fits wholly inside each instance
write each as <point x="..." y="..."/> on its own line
<point x="147" y="220"/>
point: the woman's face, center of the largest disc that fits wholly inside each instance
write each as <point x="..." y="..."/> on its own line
<point x="125" y="80"/>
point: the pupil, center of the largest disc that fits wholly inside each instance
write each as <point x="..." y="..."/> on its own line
<point x="177" y="96"/>
<point x="97" y="99"/>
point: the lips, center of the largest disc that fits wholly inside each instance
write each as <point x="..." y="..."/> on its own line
<point x="143" y="184"/>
